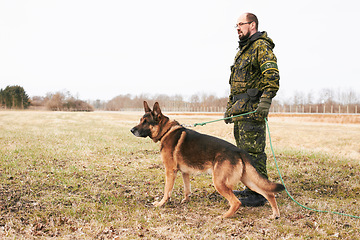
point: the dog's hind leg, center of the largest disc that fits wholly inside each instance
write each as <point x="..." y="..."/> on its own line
<point x="229" y="195"/>
<point x="271" y="198"/>
<point x="169" y="184"/>
<point x="262" y="186"/>
<point x="268" y="195"/>
<point x="225" y="189"/>
<point x="187" y="188"/>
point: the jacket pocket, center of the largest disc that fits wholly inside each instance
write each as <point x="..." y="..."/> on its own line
<point x="240" y="74"/>
<point x="240" y="106"/>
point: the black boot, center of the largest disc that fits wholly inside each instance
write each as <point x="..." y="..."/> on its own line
<point x="253" y="200"/>
<point x="243" y="193"/>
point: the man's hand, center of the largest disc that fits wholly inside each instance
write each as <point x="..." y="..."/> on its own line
<point x="263" y="107"/>
<point x="226" y="115"/>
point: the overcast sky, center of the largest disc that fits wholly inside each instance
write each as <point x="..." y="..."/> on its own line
<point x="100" y="49"/>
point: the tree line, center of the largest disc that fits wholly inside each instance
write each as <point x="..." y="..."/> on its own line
<point x="324" y="101"/>
<point x="61" y="101"/>
<point x="14" y="97"/>
<point x="196" y="103"/>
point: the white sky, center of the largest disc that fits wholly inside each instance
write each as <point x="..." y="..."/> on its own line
<point x="98" y="49"/>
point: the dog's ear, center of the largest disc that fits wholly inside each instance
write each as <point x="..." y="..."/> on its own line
<point x="146" y="107"/>
<point x="157" y="110"/>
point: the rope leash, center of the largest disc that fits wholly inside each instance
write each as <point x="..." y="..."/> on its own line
<point x="276" y="163"/>
<point x="217" y="120"/>
<point x="282" y="181"/>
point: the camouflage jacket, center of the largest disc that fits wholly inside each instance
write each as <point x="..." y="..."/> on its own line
<point x="254" y="72"/>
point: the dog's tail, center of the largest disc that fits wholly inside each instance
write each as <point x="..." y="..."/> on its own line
<point x="256" y="182"/>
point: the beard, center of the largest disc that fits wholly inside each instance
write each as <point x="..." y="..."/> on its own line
<point x="244" y="37"/>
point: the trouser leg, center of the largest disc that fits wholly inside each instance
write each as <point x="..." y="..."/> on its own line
<point x="251" y="137"/>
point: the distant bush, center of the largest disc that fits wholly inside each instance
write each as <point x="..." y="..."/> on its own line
<point x="61" y="102"/>
<point x="73" y="104"/>
<point x="14" y="97"/>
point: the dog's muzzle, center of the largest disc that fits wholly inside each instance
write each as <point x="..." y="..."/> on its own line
<point x="140" y="132"/>
<point x="135" y="131"/>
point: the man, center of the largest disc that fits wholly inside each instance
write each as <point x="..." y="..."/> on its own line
<point x="254" y="81"/>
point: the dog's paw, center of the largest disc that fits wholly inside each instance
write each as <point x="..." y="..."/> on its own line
<point x="158" y="204"/>
<point x="185" y="200"/>
<point x="274" y="216"/>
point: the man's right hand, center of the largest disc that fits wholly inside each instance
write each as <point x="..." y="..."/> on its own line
<point x="227" y="115"/>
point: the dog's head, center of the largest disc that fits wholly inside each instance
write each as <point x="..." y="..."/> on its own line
<point x="151" y="124"/>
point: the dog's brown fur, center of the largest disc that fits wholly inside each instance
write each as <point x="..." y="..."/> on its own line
<point x="188" y="151"/>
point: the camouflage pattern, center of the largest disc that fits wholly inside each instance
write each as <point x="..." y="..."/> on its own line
<point x="255" y="67"/>
<point x="251" y="137"/>
<point x="254" y="75"/>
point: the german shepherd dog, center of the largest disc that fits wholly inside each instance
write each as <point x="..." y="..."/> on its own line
<point x="189" y="152"/>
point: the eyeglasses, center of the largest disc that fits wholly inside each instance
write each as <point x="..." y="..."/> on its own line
<point x="240" y="24"/>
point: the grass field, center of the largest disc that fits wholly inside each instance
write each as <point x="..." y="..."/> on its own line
<point x="85" y="176"/>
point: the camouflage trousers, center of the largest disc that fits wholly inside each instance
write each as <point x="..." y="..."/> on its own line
<point x="251" y="137"/>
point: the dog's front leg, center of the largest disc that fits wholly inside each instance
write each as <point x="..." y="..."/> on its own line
<point x="169" y="184"/>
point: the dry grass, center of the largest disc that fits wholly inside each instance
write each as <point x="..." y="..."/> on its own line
<point x="323" y="118"/>
<point x="84" y="176"/>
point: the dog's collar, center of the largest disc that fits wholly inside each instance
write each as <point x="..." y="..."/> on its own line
<point x="172" y="126"/>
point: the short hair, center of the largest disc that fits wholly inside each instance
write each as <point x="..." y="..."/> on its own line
<point x="252" y="18"/>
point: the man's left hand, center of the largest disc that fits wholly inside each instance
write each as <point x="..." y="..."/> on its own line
<point x="263" y="107"/>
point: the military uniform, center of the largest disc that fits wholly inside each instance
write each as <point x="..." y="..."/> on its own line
<point x="254" y="75"/>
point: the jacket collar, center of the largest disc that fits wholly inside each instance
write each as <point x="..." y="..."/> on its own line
<point x="251" y="39"/>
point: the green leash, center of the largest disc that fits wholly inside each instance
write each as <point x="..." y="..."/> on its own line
<point x="311" y="209"/>
<point x="277" y="167"/>
<point x="204" y="123"/>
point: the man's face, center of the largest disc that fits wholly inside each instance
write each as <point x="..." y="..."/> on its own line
<point x="243" y="27"/>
